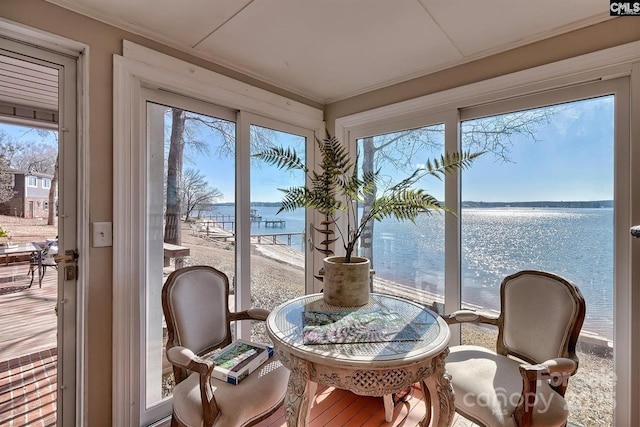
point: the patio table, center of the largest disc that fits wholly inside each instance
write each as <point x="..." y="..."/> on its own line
<point x="21" y="248"/>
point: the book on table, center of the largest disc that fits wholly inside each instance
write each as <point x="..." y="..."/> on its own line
<point x="358" y="326"/>
<point x="239" y="359"/>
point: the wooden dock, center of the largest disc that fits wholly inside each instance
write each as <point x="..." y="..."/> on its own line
<point x="215" y="232"/>
<point x="274" y="237"/>
<point x="228" y="222"/>
<point x="272" y="223"/>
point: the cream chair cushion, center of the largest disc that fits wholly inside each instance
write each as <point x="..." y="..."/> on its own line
<point x="198" y="305"/>
<point x="488" y="386"/>
<point x="253" y="395"/>
<point x="537" y="305"/>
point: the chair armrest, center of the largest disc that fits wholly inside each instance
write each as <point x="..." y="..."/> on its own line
<point x="187" y="359"/>
<point x="561" y="365"/>
<point x="560" y="370"/>
<point x="251" y="314"/>
<point x="470" y="316"/>
<point x="184" y="358"/>
<point x="557" y="371"/>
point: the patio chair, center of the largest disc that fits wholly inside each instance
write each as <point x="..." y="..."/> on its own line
<point x="196" y="309"/>
<point x="42" y="259"/>
<point x="523" y="383"/>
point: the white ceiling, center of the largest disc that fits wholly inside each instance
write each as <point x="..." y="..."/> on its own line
<point x="328" y="50"/>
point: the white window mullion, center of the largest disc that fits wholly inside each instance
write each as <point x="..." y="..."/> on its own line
<point x="243" y="224"/>
<point x="452" y="242"/>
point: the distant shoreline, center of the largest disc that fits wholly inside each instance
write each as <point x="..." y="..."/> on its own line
<point x="577" y="204"/>
<point x="542" y="204"/>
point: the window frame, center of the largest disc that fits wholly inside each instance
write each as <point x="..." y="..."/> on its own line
<point x="138" y="69"/>
<point x="29" y="184"/>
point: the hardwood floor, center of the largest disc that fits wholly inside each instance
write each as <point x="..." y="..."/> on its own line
<point x="336" y="408"/>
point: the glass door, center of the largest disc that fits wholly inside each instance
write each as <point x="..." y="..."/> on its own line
<point x="190" y="199"/>
<point x="207" y="202"/>
<point x="38" y="211"/>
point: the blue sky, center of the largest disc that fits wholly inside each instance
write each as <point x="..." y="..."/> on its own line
<point x="26" y="135"/>
<point x="572" y="159"/>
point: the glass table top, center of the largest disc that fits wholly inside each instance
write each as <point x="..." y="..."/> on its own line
<point x="387" y="328"/>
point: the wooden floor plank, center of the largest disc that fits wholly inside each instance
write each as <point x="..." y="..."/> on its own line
<point x="29" y="322"/>
<point x="339" y="408"/>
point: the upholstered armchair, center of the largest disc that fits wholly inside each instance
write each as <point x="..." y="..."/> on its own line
<point x="195" y="302"/>
<point x="523" y="383"/>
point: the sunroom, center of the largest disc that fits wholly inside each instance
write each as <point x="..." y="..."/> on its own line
<point x="549" y="93"/>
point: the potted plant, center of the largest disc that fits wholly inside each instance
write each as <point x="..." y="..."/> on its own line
<point x="337" y="188"/>
<point x="6" y="235"/>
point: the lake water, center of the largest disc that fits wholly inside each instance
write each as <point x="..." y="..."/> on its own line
<point x="575" y="243"/>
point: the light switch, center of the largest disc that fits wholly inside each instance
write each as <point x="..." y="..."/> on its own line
<point x="102" y="234"/>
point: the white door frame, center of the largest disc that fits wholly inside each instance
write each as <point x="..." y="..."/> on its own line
<point x="74" y="131"/>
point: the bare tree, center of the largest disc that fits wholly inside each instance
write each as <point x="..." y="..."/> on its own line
<point x="42" y="158"/>
<point x="6" y="177"/>
<point x="399" y="149"/>
<point x="37" y="157"/>
<point x="8" y="150"/>
<point x="172" y="232"/>
<point x="53" y="202"/>
<point x="53" y="205"/>
<point x="185" y="139"/>
<point x="196" y="192"/>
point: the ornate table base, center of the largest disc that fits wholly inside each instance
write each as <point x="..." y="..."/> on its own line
<point x="375" y="381"/>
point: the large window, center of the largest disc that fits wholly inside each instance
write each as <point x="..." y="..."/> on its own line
<point x="216" y="152"/>
<point x="194" y="216"/>
<point x="191" y="157"/>
<point x="278" y="238"/>
<point x="542" y="198"/>
<point x="406" y="256"/>
<point x="549" y="193"/>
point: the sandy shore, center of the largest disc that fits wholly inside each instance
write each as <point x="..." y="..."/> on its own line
<point x="278" y="275"/>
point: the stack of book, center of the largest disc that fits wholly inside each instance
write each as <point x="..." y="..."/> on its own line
<point x="239" y="359"/>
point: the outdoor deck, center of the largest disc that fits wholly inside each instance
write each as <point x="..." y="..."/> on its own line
<point x="28" y="348"/>
<point x="28" y="314"/>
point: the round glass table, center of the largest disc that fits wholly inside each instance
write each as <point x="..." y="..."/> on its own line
<point x="374" y="350"/>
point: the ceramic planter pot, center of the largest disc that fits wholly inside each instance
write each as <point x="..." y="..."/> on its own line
<point x="346" y="284"/>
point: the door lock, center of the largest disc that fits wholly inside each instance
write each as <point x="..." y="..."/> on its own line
<point x="70" y="272"/>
